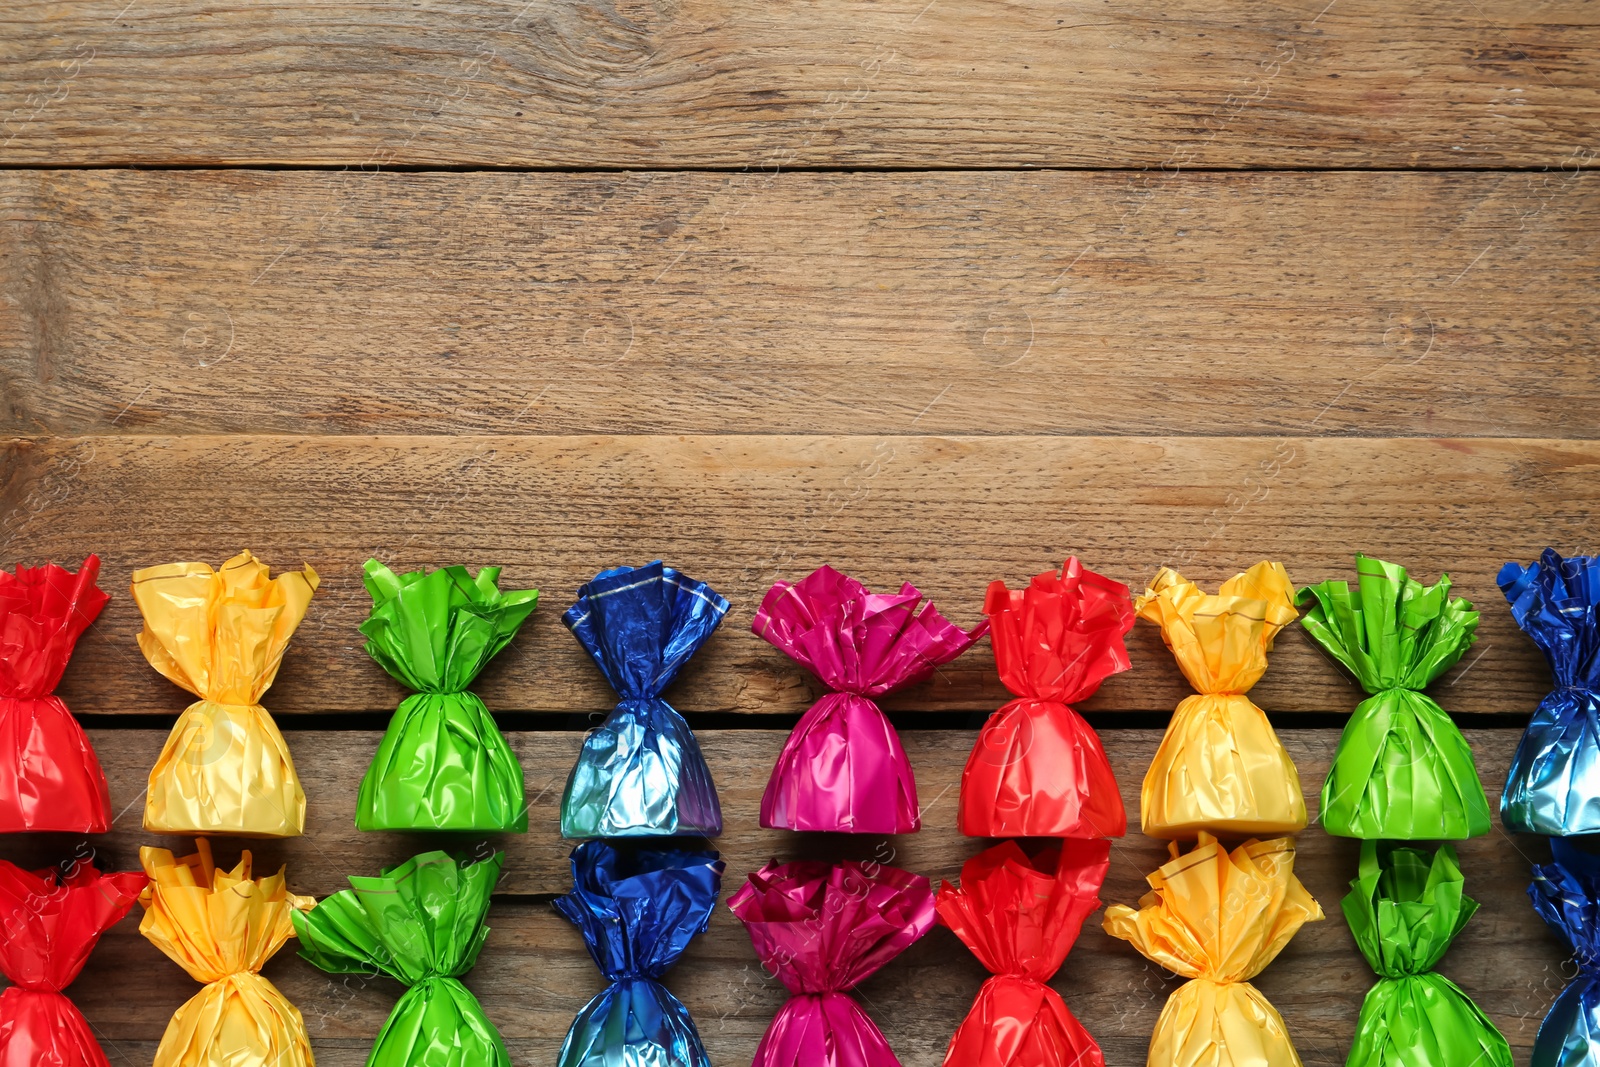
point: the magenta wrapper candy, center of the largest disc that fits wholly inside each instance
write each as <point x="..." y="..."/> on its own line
<point x="823" y="929"/>
<point x="842" y="768"/>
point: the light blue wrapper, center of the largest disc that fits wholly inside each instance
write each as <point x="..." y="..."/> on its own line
<point x="641" y="772"/>
<point x="1566" y="894"/>
<point x="1554" y="785"/>
<point x="637" y="914"/>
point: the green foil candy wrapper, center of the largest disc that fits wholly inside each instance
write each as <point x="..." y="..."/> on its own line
<point x="1404" y="910"/>
<point x="443" y="763"/>
<point x="1402" y="770"/>
<point x="422" y="924"/>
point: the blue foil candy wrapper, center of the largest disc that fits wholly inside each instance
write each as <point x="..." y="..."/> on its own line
<point x="1566" y="894"/>
<point x="1554" y="786"/>
<point x="641" y="772"/>
<point x="637" y="913"/>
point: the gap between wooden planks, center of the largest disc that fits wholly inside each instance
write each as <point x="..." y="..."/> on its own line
<point x="1404" y="304"/>
<point x="949" y="514"/>
<point x="832" y="83"/>
<point x="534" y="975"/>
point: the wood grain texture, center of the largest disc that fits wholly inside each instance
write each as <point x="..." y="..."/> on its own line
<point x="827" y="83"/>
<point x="949" y="514"/>
<point x="533" y="976"/>
<point x="1074" y="303"/>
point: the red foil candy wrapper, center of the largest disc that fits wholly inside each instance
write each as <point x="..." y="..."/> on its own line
<point x="51" y="926"/>
<point x="823" y="929"/>
<point x="843" y="768"/>
<point x="1020" y="917"/>
<point x="1038" y="769"/>
<point x="49" y="776"/>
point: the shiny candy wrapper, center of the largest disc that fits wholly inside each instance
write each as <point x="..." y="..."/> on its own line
<point x="843" y="768"/>
<point x="222" y="927"/>
<point x="1038" y="769"/>
<point x="641" y="772"/>
<point x="49" y="776"/>
<point x="1218" y="918"/>
<point x="822" y="930"/>
<point x="1220" y="766"/>
<point x="1566" y="894"/>
<point x="1554" y="784"/>
<point x="221" y="634"/>
<point x="637" y="913"/>
<point x="52" y="923"/>
<point x="1404" y="909"/>
<point x="443" y="764"/>
<point x="1020" y="916"/>
<point x="422" y="924"/>
<point x="1402" y="770"/>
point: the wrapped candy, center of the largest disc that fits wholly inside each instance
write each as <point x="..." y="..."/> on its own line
<point x="823" y="930"/>
<point x="1402" y="770"/>
<point x="222" y="927"/>
<point x="1218" y="918"/>
<point x="422" y="924"/>
<point x="641" y="773"/>
<point x="1038" y="769"/>
<point x="1566" y="894"/>
<point x="49" y="776"/>
<point x="1554" y="784"/>
<point x="637" y="914"/>
<point x="1020" y="917"/>
<point x="1404" y="910"/>
<point x="1220" y="766"/>
<point x="443" y="764"/>
<point x="225" y="768"/>
<point x="843" y="768"/>
<point x="53" y="923"/>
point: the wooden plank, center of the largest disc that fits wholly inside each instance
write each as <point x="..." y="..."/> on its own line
<point x="1076" y="303"/>
<point x="533" y="975"/>
<point x="835" y="83"/>
<point x="950" y="514"/>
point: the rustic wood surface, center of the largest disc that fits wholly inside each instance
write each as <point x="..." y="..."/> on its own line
<point x="712" y="83"/>
<point x="751" y="289"/>
<point x="534" y="975"/>
<point x="950" y="514"/>
<point x="1079" y="303"/>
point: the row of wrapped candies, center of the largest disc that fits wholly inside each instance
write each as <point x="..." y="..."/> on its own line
<point x="1407" y="903"/>
<point x="1552" y="788"/>
<point x="1066" y="622"/>
<point x="1402" y="770"/>
<point x="1213" y="916"/>
<point x="819" y="928"/>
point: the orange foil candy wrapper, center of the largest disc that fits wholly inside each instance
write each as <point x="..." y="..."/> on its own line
<point x="49" y="776"/>
<point x="1038" y="769"/>
<point x="222" y="927"/>
<point x="52" y="923"/>
<point x="1020" y="916"/>
<point x="1218" y="918"/>
<point x="1220" y="766"/>
<point x="221" y="634"/>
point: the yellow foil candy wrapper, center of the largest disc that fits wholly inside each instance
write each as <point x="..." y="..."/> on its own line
<point x="222" y="927"/>
<point x="1219" y="918"/>
<point x="1220" y="766"/>
<point x="225" y="768"/>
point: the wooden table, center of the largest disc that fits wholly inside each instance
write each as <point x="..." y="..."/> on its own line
<point x="938" y="292"/>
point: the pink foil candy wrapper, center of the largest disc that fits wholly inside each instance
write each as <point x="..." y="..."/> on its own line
<point x="823" y="929"/>
<point x="842" y="768"/>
